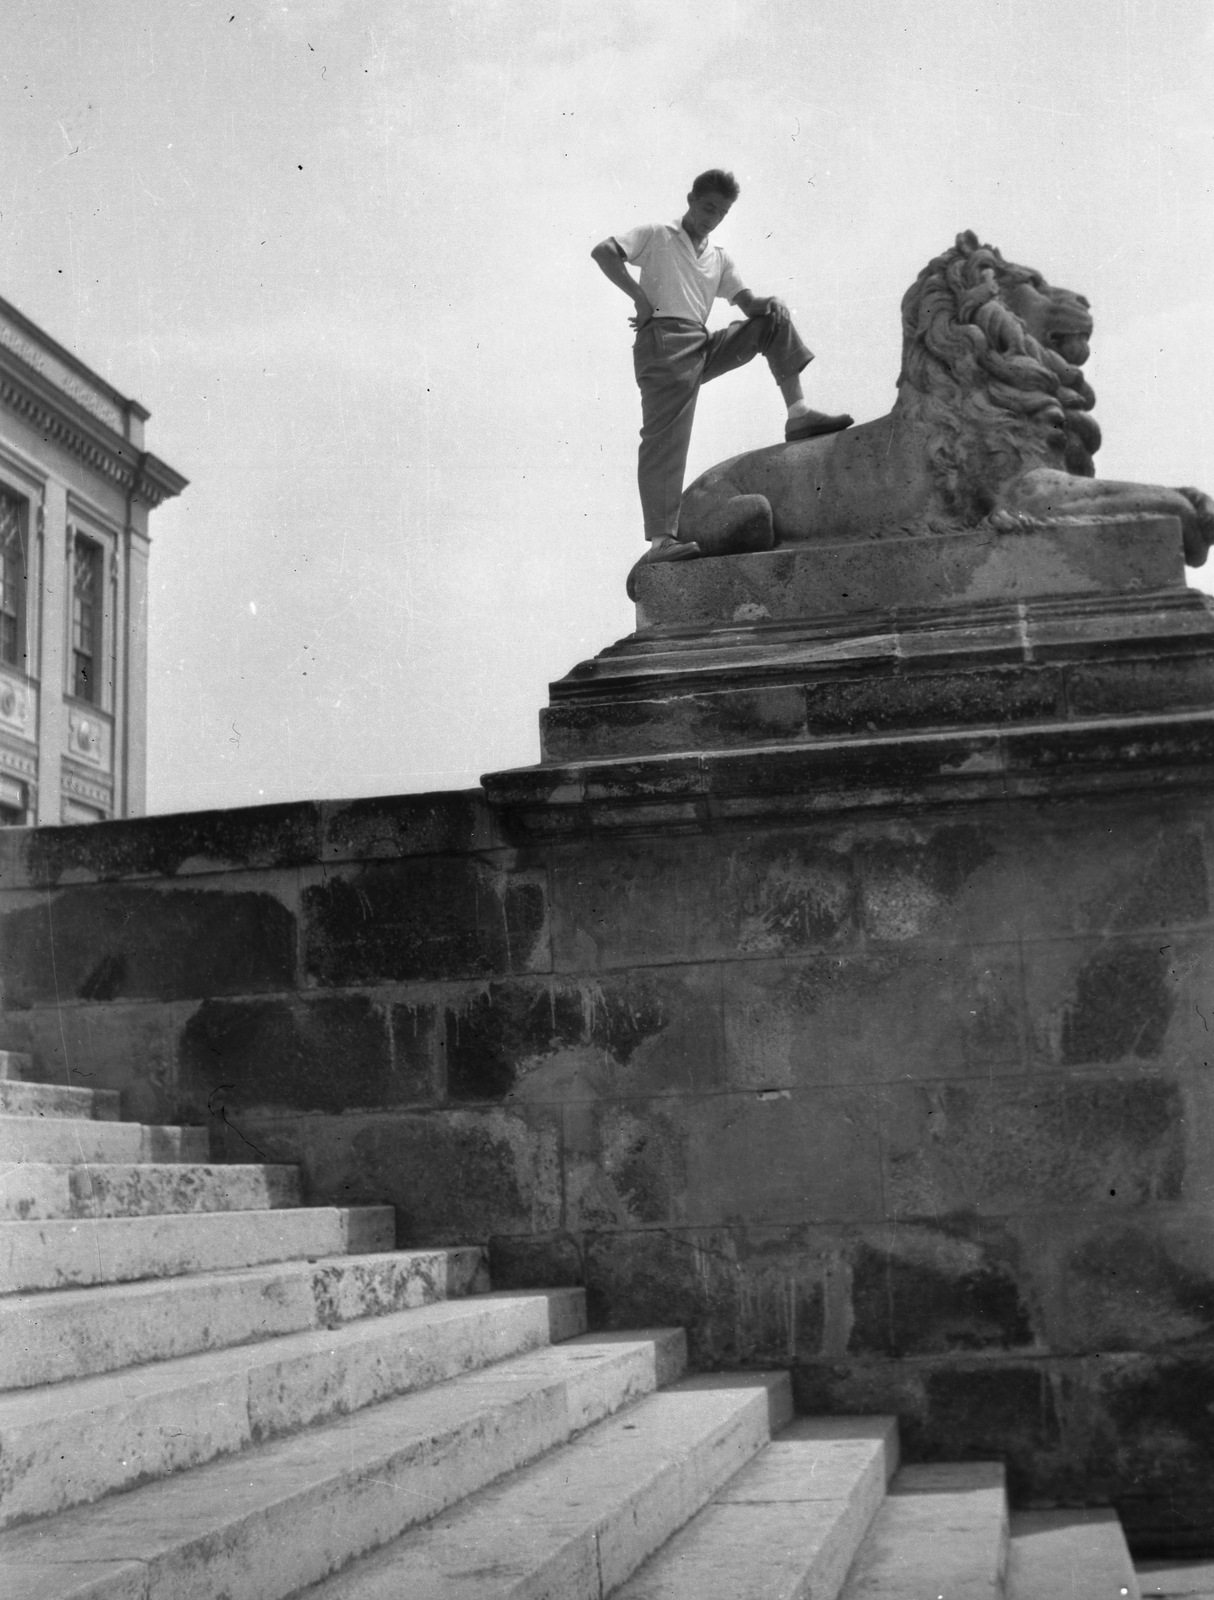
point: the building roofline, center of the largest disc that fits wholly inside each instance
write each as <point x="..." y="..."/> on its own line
<point x="42" y="381"/>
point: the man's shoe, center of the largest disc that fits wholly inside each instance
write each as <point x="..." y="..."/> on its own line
<point x="813" y="424"/>
<point x="668" y="550"/>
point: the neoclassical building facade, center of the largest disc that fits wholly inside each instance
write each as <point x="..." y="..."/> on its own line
<point x="76" y="488"/>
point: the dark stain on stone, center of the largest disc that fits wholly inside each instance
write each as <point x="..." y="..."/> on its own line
<point x="783" y="894"/>
<point x="736" y="1309"/>
<point x="1129" y="1264"/>
<point x="128" y="941"/>
<point x="1172" y="890"/>
<point x="329" y="1054"/>
<point x="1139" y="1119"/>
<point x="257" y="836"/>
<point x="407" y="825"/>
<point x="452" y="1180"/>
<point x="105" y="981"/>
<point x="906" y="1307"/>
<point x="494" y="1035"/>
<point x="984" y="1413"/>
<point x="1163" y="1423"/>
<point x="1122" y="1006"/>
<point x="426" y="917"/>
<point x="541" y="1261"/>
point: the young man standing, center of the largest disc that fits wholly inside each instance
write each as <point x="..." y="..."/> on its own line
<point x="681" y="275"/>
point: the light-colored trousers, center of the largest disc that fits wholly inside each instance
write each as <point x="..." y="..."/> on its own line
<point x="672" y="358"/>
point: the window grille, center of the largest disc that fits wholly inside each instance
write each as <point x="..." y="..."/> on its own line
<point x="86" y="619"/>
<point x="12" y="577"/>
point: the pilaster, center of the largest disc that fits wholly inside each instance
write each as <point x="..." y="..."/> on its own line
<point x="52" y="650"/>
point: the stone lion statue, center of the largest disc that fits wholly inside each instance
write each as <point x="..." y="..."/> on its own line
<point x="991" y="427"/>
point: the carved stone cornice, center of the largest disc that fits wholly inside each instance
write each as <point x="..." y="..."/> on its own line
<point x="63" y="399"/>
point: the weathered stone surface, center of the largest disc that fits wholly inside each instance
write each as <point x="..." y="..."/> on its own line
<point x="927" y="1293"/>
<point x="679" y="720"/>
<point x="453" y="1177"/>
<point x="934" y="699"/>
<point x="688" y="1161"/>
<point x="1141" y="1282"/>
<point x="329" y="1053"/>
<point x="787" y="1525"/>
<point x="281" y="1516"/>
<point x="1081" y="1552"/>
<point x="1138" y="1000"/>
<point x="29" y="1190"/>
<point x="890" y="574"/>
<point x="941" y="1530"/>
<point x="157" y="847"/>
<point x="873" y="1018"/>
<point x="45" y="1338"/>
<point x="113" y="942"/>
<point x="57" y="1100"/>
<point x="429" y="917"/>
<point x="102" y="1434"/>
<point x="58" y="1255"/>
<point x="1017" y="1145"/>
<point x="128" y="1046"/>
<point x="1133" y="1429"/>
<point x="388" y="827"/>
<point x="635" y="903"/>
<point x="1168" y="683"/>
<point x="687" y="899"/>
<point x="933" y="880"/>
<point x="562" y="1040"/>
<point x="744" y="1296"/>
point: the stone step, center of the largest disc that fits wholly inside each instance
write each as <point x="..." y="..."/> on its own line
<point x="72" y="1139"/>
<point x="74" y="1442"/>
<point x="59" y="1255"/>
<point x="1080" y="1554"/>
<point x="264" y="1524"/>
<point x="58" y="1100"/>
<point x="788" y="1525"/>
<point x="941" y="1530"/>
<point x="579" y="1523"/>
<point x="1176" y="1580"/>
<point x="15" y="1065"/>
<point x="72" y="1333"/>
<point x="32" y="1190"/>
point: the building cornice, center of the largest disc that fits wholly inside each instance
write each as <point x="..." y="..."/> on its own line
<point x="61" y="397"/>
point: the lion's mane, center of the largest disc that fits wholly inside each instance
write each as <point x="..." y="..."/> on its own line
<point x="990" y="391"/>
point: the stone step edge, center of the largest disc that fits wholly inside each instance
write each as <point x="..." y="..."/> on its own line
<point x="20" y="1138"/>
<point x="74" y="1442"/>
<point x="941" y="1530"/>
<point x="43" y="1330"/>
<point x="79" y="1253"/>
<point x="582" y="1520"/>
<point x="57" y="1191"/>
<point x="14" y="1065"/>
<point x="788" y="1525"/>
<point x="59" y="1100"/>
<point x="1082" y="1554"/>
<point x="264" y="1524"/>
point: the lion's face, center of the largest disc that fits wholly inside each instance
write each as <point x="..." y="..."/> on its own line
<point x="1057" y="318"/>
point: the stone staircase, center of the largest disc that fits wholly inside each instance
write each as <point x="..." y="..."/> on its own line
<point x="211" y="1390"/>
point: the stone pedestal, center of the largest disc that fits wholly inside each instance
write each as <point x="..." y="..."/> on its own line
<point x="967" y="659"/>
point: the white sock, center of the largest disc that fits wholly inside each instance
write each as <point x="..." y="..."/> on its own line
<point x="797" y="409"/>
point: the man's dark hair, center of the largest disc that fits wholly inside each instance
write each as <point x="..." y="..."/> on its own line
<point x="714" y="181"/>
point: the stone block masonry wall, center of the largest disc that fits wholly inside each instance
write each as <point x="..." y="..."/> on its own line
<point x="917" y="1104"/>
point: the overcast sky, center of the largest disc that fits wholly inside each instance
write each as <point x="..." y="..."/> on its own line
<point x="341" y="251"/>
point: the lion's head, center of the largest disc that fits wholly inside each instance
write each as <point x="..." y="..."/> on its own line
<point x="991" y="356"/>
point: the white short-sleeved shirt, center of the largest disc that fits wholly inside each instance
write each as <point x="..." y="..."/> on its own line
<point x="674" y="279"/>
